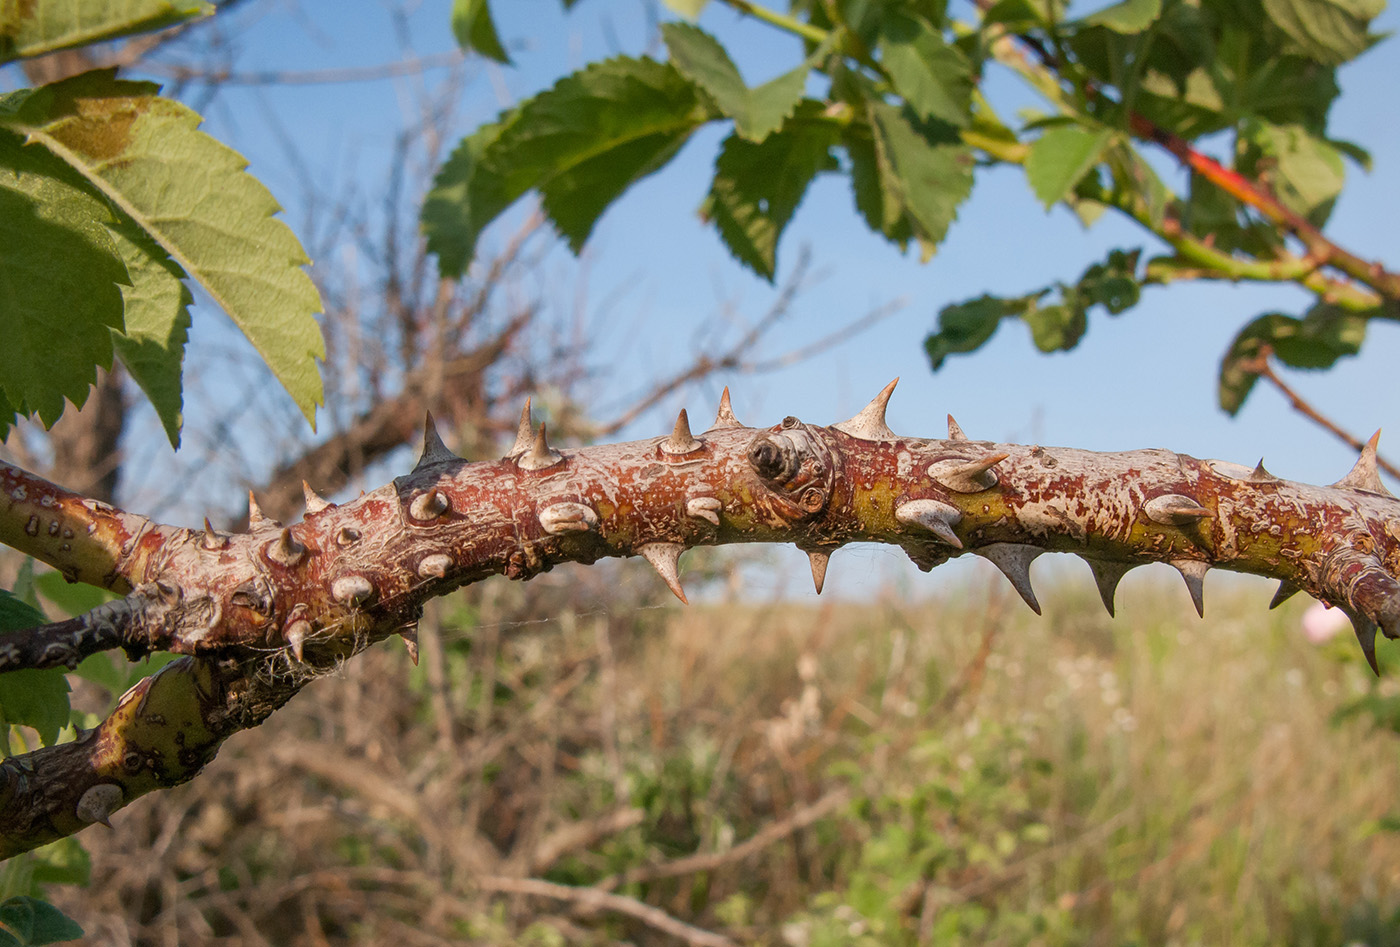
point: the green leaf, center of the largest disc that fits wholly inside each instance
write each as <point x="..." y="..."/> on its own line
<point x="1330" y="31"/>
<point x="757" y="112"/>
<point x="1324" y="335"/>
<point x="71" y="598"/>
<point x="580" y="144"/>
<point x="934" y="78"/>
<point x="36" y="28"/>
<point x="190" y="195"/>
<point x="1129" y="16"/>
<point x="1056" y="328"/>
<point x="1304" y="172"/>
<point x="924" y="175"/>
<point x="476" y="31"/>
<point x="967" y="326"/>
<point x="33" y="698"/>
<point x="758" y="186"/>
<point x="1060" y="158"/>
<point x="60" y="281"/>
<point x="152" y="344"/>
<point x="690" y="9"/>
<point x="31" y="921"/>
<point x="1112" y="284"/>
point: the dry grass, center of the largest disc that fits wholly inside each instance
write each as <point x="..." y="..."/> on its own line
<point x="949" y="771"/>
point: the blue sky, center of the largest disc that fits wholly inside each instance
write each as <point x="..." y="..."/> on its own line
<point x="656" y="277"/>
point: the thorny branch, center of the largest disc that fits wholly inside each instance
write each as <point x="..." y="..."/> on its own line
<point x="262" y="613"/>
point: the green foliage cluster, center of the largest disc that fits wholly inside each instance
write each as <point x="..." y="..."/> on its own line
<point x="888" y="94"/>
<point x="111" y="201"/>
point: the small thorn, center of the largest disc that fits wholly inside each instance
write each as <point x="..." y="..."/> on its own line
<point x="705" y="508"/>
<point x="681" y="440"/>
<point x="1260" y="475"/>
<point x="296" y="635"/>
<point x="434" y="450"/>
<point x="665" y="559"/>
<point x="1175" y="509"/>
<point x="352" y="590"/>
<point x="256" y="519"/>
<point x="1366" y="475"/>
<point x="430" y="505"/>
<point x="540" y="455"/>
<point x="524" y="433"/>
<point x="1286" y="590"/>
<point x="409" y="634"/>
<point x="1107" y="575"/>
<point x="434" y="566"/>
<point x="869" y="424"/>
<point x="955" y="433"/>
<point x="286" y="550"/>
<point x="567" y="518"/>
<point x="935" y="516"/>
<point x="819" y="561"/>
<point x="315" y="503"/>
<point x="964" y="476"/>
<point x="724" y="417"/>
<point x="1193" y="571"/>
<point x="347" y="536"/>
<point x="213" y="540"/>
<point x="1014" y="560"/>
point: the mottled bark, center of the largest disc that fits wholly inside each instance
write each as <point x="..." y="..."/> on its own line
<point x="262" y="612"/>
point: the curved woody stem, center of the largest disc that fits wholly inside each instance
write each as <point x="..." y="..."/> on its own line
<point x="262" y="613"/>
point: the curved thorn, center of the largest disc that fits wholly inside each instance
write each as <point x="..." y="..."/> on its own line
<point x="955" y="433"/>
<point x="1175" y="509"/>
<point x="315" y="503"/>
<point x="681" y="440"/>
<point x="1286" y="590"/>
<point x="1193" y="572"/>
<point x="409" y="634"/>
<point x="1366" y="637"/>
<point x="935" y="516"/>
<point x="296" y="635"/>
<point x="967" y="476"/>
<point x="705" y="508"/>
<point x="819" y="561"/>
<point x="98" y="803"/>
<point x="1260" y="475"/>
<point x="434" y="450"/>
<point x="524" y="433"/>
<point x="869" y="424"/>
<point x="1107" y="575"/>
<point x="540" y="456"/>
<point x="665" y="559"/>
<point x="1014" y="560"/>
<point x="724" y="417"/>
<point x="1366" y="475"/>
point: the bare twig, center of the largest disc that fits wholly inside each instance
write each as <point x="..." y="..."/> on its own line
<point x="653" y="917"/>
<point x="387" y="70"/>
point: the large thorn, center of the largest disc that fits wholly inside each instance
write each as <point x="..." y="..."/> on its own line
<point x="98" y="803"/>
<point x="315" y="503"/>
<point x="819" y="561"/>
<point x="681" y="440"/>
<point x="434" y="450"/>
<point x="1193" y="571"/>
<point x="524" y="433"/>
<point x="541" y="455"/>
<point x="870" y="424"/>
<point x="967" y="476"/>
<point x="724" y="417"/>
<point x="1014" y="560"/>
<point x="1286" y="590"/>
<point x="1175" y="509"/>
<point x="1260" y="475"/>
<point x="665" y="559"/>
<point x="935" y="516"/>
<point x="286" y="549"/>
<point x="1107" y="575"/>
<point x="1366" y="475"/>
<point x="1366" y="636"/>
<point x="955" y="433"/>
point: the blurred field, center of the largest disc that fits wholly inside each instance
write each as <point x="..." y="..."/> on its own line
<point x="587" y="766"/>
